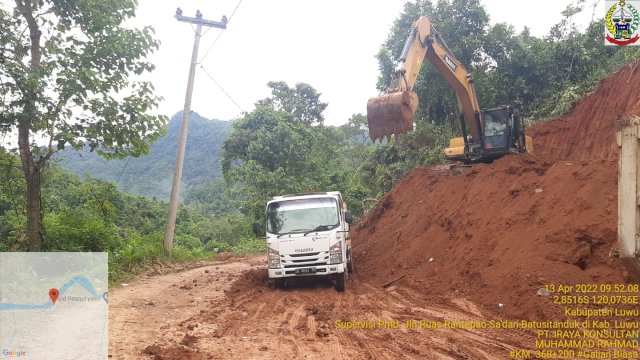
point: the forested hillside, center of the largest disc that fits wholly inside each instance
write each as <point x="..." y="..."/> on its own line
<point x="151" y="175"/>
<point x="89" y="214"/>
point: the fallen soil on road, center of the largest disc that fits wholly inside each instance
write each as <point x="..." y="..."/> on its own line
<point x="496" y="234"/>
<point x="231" y="311"/>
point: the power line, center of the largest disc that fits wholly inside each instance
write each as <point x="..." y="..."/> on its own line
<point x="122" y="172"/>
<point x="220" y="33"/>
<point x="221" y="88"/>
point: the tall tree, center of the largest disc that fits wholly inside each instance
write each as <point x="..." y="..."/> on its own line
<point x="64" y="79"/>
<point x="268" y="153"/>
<point x="301" y="101"/>
<point x="274" y="150"/>
<point x="357" y="129"/>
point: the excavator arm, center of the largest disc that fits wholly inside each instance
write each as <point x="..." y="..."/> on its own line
<point x="392" y="113"/>
<point x="486" y="134"/>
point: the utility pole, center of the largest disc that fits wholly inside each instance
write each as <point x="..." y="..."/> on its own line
<point x="186" y="112"/>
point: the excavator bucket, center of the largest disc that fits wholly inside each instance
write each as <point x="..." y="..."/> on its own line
<point x="391" y="114"/>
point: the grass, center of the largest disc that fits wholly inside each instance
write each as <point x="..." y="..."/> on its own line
<point x="140" y="254"/>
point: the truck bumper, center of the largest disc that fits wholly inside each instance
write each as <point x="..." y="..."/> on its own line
<point x="320" y="271"/>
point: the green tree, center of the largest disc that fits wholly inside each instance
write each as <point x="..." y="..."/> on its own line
<point x="12" y="188"/>
<point x="268" y="153"/>
<point x="357" y="129"/>
<point x="275" y="150"/>
<point x="302" y="101"/>
<point x="64" y="77"/>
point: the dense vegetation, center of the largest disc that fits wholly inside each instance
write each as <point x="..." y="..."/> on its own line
<point x="66" y="76"/>
<point x="93" y="215"/>
<point x="283" y="145"/>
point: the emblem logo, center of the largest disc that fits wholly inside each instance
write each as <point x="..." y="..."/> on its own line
<point x="450" y="63"/>
<point x="621" y="23"/>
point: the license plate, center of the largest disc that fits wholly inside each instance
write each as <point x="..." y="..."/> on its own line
<point x="305" y="270"/>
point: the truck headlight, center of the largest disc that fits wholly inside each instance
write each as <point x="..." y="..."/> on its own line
<point x="274" y="259"/>
<point x="335" y="253"/>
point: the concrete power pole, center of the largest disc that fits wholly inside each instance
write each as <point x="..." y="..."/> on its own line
<point x="186" y="112"/>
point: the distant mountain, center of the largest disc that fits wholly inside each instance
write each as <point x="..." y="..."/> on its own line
<point x="152" y="175"/>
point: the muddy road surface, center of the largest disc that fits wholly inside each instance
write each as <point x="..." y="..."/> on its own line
<point x="230" y="311"/>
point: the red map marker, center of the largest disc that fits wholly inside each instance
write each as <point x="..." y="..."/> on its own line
<point x="53" y="294"/>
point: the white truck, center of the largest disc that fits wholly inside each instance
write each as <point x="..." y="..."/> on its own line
<point x="308" y="235"/>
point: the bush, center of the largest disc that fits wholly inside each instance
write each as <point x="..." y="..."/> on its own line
<point x="186" y="241"/>
<point x="229" y="229"/>
<point x="250" y="246"/>
<point x="182" y="254"/>
<point x="217" y="246"/>
<point x="12" y="225"/>
<point x="79" y="230"/>
<point x="138" y="252"/>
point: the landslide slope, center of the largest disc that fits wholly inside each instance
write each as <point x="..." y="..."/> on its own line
<point x="497" y="233"/>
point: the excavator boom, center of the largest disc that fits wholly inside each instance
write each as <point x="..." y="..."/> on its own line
<point x="392" y="113"/>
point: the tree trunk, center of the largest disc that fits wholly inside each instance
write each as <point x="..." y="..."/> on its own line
<point x="34" y="224"/>
<point x="32" y="176"/>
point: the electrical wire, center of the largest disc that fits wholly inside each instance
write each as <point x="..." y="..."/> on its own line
<point x="221" y="88"/>
<point x="215" y="41"/>
<point x="220" y="33"/>
<point x="122" y="172"/>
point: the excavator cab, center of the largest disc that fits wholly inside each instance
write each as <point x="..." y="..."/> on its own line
<point x="502" y="132"/>
<point x="497" y="130"/>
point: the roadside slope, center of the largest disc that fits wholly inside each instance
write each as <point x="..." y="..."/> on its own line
<point x="497" y="233"/>
<point x="587" y="131"/>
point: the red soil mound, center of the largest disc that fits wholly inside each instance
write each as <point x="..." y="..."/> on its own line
<point x="587" y="133"/>
<point x="497" y="233"/>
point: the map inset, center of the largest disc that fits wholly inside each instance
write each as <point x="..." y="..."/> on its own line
<point x="53" y="306"/>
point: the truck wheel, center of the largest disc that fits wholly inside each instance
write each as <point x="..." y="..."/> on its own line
<point x="341" y="281"/>
<point x="349" y="262"/>
<point x="278" y="283"/>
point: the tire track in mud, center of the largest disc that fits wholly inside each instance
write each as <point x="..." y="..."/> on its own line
<point x="456" y="309"/>
<point x="238" y="315"/>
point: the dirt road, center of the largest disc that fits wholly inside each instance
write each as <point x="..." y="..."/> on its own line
<point x="229" y="311"/>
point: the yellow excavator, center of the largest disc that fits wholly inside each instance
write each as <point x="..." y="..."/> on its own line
<point x="486" y="134"/>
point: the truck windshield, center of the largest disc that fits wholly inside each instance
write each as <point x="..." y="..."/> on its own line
<point x="302" y="215"/>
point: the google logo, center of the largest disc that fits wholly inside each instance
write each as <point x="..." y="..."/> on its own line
<point x="12" y="353"/>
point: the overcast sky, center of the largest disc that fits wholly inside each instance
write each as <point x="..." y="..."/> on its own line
<point x="328" y="44"/>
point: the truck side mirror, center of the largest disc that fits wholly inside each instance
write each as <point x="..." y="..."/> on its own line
<point x="257" y="229"/>
<point x="348" y="217"/>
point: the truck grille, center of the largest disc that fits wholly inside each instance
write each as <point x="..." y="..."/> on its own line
<point x="307" y="254"/>
<point x="305" y="260"/>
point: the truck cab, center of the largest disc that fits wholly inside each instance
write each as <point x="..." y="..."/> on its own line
<point x="308" y="235"/>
